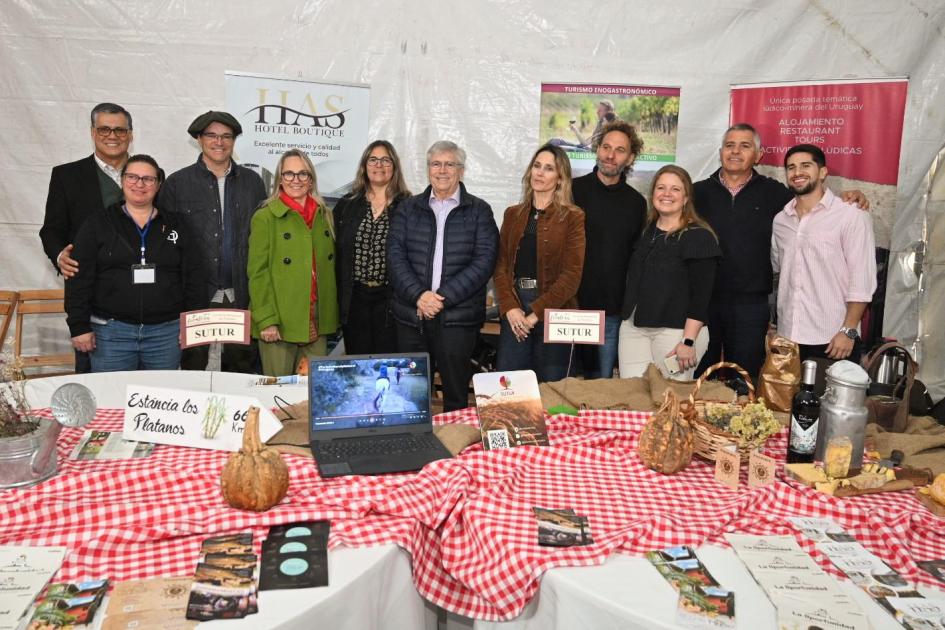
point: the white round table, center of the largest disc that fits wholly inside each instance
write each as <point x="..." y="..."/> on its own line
<point x="370" y="587"/>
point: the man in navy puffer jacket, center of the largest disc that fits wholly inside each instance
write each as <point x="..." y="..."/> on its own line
<point x="441" y="252"/>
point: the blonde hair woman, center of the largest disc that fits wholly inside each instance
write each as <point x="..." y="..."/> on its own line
<point x="292" y="269"/>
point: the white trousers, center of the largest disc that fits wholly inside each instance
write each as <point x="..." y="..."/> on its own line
<point x="639" y="347"/>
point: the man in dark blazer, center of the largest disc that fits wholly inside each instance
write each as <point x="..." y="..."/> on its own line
<point x="79" y="189"/>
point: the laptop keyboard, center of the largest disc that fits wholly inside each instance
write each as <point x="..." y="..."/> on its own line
<point x="395" y="445"/>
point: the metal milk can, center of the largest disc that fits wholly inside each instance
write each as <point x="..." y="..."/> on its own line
<point x="843" y="410"/>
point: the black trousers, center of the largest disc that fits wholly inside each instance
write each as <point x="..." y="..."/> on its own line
<point x="737" y="329"/>
<point x="370" y="326"/>
<point x="450" y="348"/>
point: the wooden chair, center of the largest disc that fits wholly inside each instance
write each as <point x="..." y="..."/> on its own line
<point x="41" y="302"/>
<point x="7" y="307"/>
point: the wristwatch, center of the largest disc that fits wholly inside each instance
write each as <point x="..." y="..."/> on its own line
<point x="850" y="332"/>
<point x="689" y="342"/>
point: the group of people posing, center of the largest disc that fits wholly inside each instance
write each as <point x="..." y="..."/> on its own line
<point x="682" y="281"/>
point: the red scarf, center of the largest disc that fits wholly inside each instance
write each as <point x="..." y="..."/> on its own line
<point x="308" y="215"/>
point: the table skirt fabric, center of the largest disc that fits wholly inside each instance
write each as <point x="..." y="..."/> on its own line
<point x="466" y="522"/>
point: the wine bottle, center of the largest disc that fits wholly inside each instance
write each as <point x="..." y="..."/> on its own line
<point x="805" y="412"/>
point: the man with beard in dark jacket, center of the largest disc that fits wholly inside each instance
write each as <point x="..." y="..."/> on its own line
<point x="217" y="197"/>
<point x="740" y="204"/>
<point x="441" y="252"/>
<point x="613" y="218"/>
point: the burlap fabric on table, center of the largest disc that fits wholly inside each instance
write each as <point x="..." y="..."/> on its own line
<point x="293" y="438"/>
<point x="922" y="443"/>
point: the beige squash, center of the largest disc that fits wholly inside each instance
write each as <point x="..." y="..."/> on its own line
<point x="666" y="441"/>
<point x="254" y="478"/>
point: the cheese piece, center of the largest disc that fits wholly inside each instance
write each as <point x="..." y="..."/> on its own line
<point x="837" y="458"/>
<point x="807" y="473"/>
<point x="868" y="481"/>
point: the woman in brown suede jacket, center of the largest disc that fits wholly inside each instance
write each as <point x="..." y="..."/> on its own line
<point x="541" y="256"/>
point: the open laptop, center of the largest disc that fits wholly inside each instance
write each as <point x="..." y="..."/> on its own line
<point x="370" y="414"/>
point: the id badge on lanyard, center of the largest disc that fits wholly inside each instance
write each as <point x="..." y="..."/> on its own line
<point x="143" y="273"/>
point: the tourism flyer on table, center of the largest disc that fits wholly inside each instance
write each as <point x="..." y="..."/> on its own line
<point x="102" y="445"/>
<point x="65" y="606"/>
<point x="224" y="585"/>
<point x="797" y="613"/>
<point x="799" y="589"/>
<point x="24" y="573"/>
<point x="510" y="411"/>
<point x="153" y="604"/>
<point x="919" y="613"/>
<point x="820" y="529"/>
<point x="703" y="602"/>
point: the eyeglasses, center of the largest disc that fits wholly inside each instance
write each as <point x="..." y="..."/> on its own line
<point x="302" y="176"/>
<point x="134" y="178"/>
<point x="213" y="137"/>
<point x="450" y="166"/>
<point x="380" y="161"/>
<point x="120" y="132"/>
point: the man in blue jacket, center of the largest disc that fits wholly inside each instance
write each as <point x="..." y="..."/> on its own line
<point x="441" y="253"/>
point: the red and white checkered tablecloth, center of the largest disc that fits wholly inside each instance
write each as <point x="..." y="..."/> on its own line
<point x="467" y="522"/>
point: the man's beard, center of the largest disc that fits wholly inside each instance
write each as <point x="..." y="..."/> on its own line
<point x="608" y="170"/>
<point x="810" y="187"/>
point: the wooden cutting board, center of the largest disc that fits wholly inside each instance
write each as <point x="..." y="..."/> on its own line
<point x="904" y="483"/>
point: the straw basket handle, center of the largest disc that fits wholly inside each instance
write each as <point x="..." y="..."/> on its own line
<point x="719" y="366"/>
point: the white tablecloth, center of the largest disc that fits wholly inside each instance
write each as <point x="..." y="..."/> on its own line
<point x="370" y="588"/>
<point x="627" y="593"/>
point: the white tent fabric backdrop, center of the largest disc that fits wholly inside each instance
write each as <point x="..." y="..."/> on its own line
<point x="469" y="72"/>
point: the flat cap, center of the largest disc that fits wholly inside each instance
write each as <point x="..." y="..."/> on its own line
<point x="203" y="121"/>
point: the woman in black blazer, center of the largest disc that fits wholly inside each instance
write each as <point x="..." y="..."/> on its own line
<point x="362" y="222"/>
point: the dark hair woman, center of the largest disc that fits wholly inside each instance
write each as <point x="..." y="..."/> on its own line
<point x="541" y="257"/>
<point x="138" y="271"/>
<point x="362" y="221"/>
<point x="669" y="283"/>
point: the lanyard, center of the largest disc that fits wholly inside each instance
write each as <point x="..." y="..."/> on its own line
<point x="142" y="232"/>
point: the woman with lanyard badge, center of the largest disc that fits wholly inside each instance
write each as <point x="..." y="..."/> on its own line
<point x="137" y="274"/>
<point x="541" y="256"/>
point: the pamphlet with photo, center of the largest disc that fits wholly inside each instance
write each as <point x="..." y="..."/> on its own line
<point x="510" y="410"/>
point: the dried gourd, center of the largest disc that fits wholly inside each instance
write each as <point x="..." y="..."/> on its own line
<point x="666" y="441"/>
<point x="254" y="478"/>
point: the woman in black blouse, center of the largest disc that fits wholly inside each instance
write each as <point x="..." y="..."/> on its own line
<point x="362" y="221"/>
<point x="669" y="283"/>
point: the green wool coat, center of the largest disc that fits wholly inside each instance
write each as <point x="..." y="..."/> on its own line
<point x="280" y="272"/>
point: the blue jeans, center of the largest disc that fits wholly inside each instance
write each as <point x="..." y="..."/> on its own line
<point x="599" y="361"/>
<point x="549" y="361"/>
<point x="121" y="347"/>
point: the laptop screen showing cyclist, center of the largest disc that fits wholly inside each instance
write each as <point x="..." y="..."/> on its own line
<point x="359" y="397"/>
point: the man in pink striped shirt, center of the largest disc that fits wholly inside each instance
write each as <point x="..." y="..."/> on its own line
<point x="823" y="248"/>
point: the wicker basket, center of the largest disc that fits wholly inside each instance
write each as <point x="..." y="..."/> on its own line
<point x="707" y="438"/>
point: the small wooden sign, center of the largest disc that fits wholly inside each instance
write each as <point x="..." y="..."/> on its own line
<point x="727" y="465"/>
<point x="226" y="325"/>
<point x="574" y="326"/>
<point x="761" y="469"/>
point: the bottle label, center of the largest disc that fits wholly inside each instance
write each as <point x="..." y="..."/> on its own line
<point x="803" y="433"/>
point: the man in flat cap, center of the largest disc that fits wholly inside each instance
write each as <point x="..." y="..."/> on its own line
<point x="217" y="198"/>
